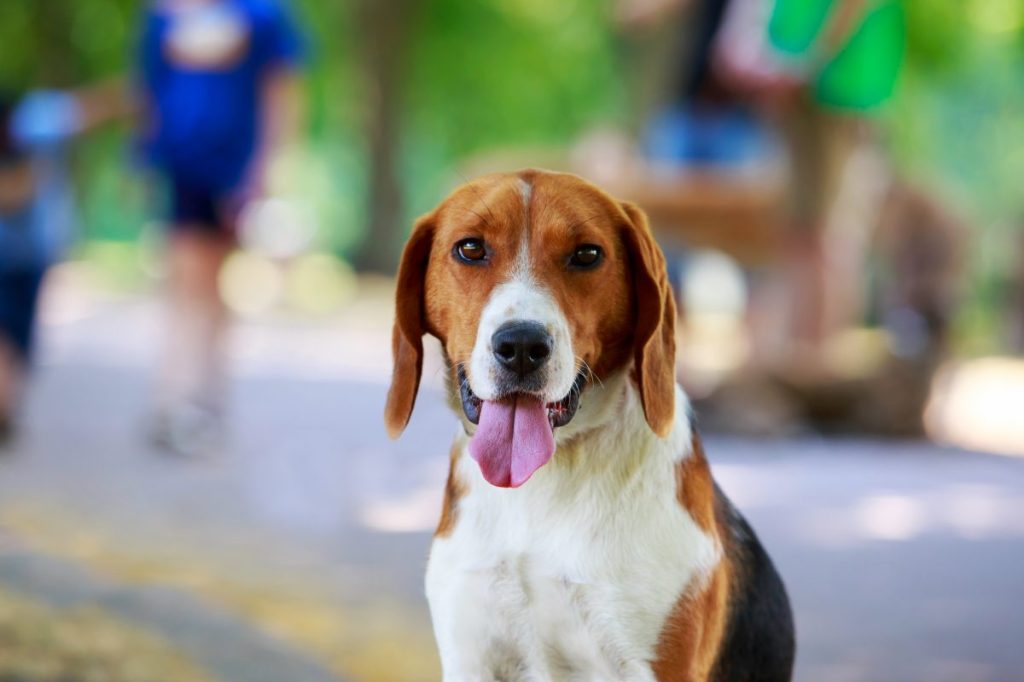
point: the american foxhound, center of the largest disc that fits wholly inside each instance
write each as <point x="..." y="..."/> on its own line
<point x="582" y="535"/>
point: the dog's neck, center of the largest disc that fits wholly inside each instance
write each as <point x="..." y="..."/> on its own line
<point x="606" y="404"/>
<point x="611" y="435"/>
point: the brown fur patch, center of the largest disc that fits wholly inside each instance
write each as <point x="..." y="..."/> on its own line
<point x="620" y="309"/>
<point x="693" y="632"/>
<point x="454" y="490"/>
<point x="695" y="488"/>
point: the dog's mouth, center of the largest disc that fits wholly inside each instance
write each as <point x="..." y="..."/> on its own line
<point x="559" y="413"/>
<point x="515" y="433"/>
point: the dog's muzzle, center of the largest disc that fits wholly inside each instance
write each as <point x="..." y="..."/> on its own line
<point x="560" y="413"/>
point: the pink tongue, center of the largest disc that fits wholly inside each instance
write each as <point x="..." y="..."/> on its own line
<point x="512" y="440"/>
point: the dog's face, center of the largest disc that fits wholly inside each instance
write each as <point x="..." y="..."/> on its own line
<point x="535" y="284"/>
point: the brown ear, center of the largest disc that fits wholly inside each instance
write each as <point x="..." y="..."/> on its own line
<point x="654" y="345"/>
<point x="407" y="334"/>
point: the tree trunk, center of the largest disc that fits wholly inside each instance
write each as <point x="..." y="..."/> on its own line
<point x="387" y="27"/>
<point x="51" y="25"/>
<point x="1015" y="309"/>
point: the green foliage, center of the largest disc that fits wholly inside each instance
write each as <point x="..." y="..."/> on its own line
<point x="481" y="75"/>
<point x="506" y="73"/>
<point x="935" y="35"/>
<point x="58" y="43"/>
<point x="512" y="73"/>
<point x="956" y="125"/>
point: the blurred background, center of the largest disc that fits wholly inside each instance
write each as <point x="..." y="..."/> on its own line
<point x="836" y="184"/>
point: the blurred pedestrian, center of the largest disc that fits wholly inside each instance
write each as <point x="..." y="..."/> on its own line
<point x="37" y="211"/>
<point x="221" y="98"/>
<point x="821" y="69"/>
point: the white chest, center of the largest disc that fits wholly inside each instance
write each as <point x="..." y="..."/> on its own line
<point x="570" y="577"/>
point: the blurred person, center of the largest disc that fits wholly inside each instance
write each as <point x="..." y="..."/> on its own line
<point x="820" y="69"/>
<point x="37" y="211"/>
<point x="823" y="69"/>
<point x="221" y="99"/>
<point x="800" y="79"/>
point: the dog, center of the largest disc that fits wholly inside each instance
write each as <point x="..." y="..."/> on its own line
<point x="582" y="536"/>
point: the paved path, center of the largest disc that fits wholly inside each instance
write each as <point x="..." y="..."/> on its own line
<point x="904" y="561"/>
<point x="219" y="642"/>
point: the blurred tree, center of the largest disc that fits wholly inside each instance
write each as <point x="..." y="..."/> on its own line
<point x="506" y="73"/>
<point x="935" y="35"/>
<point x="403" y="91"/>
<point x="62" y="42"/>
<point x="384" y="39"/>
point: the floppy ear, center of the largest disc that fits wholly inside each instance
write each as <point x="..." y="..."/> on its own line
<point x="654" y="345"/>
<point x="407" y="334"/>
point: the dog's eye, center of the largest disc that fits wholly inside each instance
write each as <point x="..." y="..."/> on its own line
<point x="471" y="250"/>
<point x="586" y="256"/>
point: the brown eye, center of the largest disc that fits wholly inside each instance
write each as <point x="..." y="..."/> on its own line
<point x="471" y="250"/>
<point x="586" y="256"/>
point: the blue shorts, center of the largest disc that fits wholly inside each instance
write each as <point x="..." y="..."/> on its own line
<point x="19" y="301"/>
<point x="201" y="209"/>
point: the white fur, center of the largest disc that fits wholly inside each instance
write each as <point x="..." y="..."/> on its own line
<point x="572" y="576"/>
<point x="522" y="299"/>
<point x="526" y="191"/>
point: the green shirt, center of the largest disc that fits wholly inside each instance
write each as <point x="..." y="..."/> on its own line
<point x="862" y="74"/>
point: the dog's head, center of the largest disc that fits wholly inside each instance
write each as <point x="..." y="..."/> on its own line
<point x="536" y="284"/>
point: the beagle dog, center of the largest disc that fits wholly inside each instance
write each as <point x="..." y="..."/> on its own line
<point x="582" y="535"/>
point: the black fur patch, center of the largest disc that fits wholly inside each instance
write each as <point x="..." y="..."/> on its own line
<point x="759" y="643"/>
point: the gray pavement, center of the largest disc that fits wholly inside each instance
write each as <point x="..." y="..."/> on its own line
<point x="222" y="643"/>
<point x="904" y="561"/>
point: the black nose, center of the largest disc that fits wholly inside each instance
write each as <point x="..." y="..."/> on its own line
<point x="522" y="347"/>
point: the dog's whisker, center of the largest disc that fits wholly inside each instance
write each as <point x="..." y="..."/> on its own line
<point x="583" y="366"/>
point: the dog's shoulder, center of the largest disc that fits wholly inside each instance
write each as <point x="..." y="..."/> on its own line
<point x="759" y="639"/>
<point x="735" y="623"/>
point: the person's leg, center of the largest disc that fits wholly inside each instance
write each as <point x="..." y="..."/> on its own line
<point x="19" y="298"/>
<point x="857" y="178"/>
<point x="786" y="310"/>
<point x="10" y="387"/>
<point x="192" y="369"/>
<point x="822" y="300"/>
<point x="191" y="378"/>
<point x="808" y="289"/>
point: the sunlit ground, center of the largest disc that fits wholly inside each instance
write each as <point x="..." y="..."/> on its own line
<point x="979" y="404"/>
<point x="40" y="643"/>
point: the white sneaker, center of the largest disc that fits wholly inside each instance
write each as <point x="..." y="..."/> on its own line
<point x="189" y="430"/>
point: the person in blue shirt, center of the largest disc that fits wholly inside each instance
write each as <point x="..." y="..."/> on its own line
<point x="37" y="211"/>
<point x="220" y="97"/>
